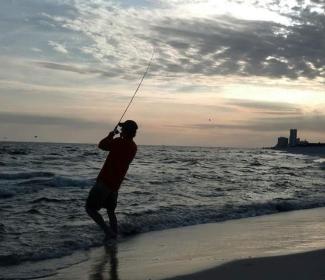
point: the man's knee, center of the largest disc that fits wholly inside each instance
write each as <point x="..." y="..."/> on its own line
<point x="110" y="212"/>
<point x="90" y="209"/>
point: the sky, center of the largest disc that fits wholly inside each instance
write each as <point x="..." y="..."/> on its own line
<point x="235" y="73"/>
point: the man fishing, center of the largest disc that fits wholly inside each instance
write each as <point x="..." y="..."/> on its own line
<point x="104" y="193"/>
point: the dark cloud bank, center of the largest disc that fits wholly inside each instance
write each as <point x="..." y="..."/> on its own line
<point x="227" y="46"/>
<point x="77" y="69"/>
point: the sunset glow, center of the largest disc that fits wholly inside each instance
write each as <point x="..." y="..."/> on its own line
<point x="237" y="73"/>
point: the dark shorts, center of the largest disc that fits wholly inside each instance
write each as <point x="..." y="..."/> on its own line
<point x="100" y="196"/>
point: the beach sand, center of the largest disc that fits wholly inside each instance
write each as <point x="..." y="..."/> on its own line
<point x="306" y="266"/>
<point x="262" y="247"/>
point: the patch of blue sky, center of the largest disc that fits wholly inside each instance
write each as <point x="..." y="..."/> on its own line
<point x="32" y="40"/>
<point x="16" y="9"/>
<point x="25" y="26"/>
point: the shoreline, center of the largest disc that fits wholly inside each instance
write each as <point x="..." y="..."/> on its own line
<point x="309" y="151"/>
<point x="191" y="250"/>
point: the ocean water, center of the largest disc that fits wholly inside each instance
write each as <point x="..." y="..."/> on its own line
<point x="43" y="188"/>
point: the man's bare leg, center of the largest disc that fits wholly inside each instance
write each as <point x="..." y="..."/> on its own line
<point x="112" y="221"/>
<point x="93" y="213"/>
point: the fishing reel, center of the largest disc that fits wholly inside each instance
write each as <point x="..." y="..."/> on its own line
<point x="117" y="129"/>
<point x="129" y="125"/>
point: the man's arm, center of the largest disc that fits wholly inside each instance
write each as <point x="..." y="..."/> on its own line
<point x="106" y="143"/>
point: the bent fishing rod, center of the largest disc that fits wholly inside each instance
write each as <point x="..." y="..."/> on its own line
<point x="137" y="89"/>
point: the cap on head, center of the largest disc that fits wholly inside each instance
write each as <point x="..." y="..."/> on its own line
<point x="129" y="126"/>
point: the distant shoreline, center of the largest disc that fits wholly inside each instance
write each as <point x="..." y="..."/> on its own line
<point x="305" y="150"/>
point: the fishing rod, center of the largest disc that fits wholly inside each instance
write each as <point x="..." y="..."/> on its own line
<point x="137" y="89"/>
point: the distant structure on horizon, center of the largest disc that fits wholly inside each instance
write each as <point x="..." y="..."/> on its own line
<point x="293" y="137"/>
<point x="294" y="141"/>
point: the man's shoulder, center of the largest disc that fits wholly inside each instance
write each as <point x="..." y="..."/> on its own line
<point x="133" y="145"/>
<point x="125" y="142"/>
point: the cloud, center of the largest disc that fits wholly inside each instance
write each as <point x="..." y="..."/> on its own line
<point x="36" y="50"/>
<point x="218" y="44"/>
<point x="34" y="119"/>
<point x="245" y="48"/>
<point x="77" y="69"/>
<point x="266" y="107"/>
<point x="58" y="47"/>
<point x="313" y="123"/>
<point x="191" y="37"/>
<point x="191" y="88"/>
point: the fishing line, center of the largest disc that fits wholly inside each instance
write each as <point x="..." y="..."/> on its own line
<point x="137" y="89"/>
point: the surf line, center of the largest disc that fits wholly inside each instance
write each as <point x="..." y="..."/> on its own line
<point x="137" y="89"/>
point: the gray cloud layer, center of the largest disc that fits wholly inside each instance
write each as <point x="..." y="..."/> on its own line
<point x="33" y="119"/>
<point x="77" y="69"/>
<point x="306" y="123"/>
<point x="118" y="38"/>
<point x="246" y="48"/>
<point x="276" y="108"/>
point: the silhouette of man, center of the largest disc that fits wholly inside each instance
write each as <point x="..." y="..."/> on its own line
<point x="104" y="193"/>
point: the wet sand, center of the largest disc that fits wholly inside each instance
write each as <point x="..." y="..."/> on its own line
<point x="303" y="266"/>
<point x="262" y="247"/>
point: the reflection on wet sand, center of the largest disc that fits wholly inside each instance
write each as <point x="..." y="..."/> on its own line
<point x="100" y="268"/>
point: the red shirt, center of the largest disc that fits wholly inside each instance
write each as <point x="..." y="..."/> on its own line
<point x="121" y="153"/>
